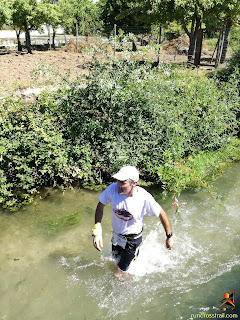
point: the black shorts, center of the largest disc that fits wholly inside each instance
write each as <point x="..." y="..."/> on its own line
<point x="125" y="256"/>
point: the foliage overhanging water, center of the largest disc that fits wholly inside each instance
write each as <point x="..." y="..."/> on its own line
<point x="50" y="273"/>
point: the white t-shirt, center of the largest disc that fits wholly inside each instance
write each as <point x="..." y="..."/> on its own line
<point x="128" y="212"/>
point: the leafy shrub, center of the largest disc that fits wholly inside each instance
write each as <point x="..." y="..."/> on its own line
<point x="119" y="114"/>
<point x="200" y="169"/>
<point x="234" y="38"/>
<point x="231" y="72"/>
<point x="134" y="115"/>
<point x="32" y="153"/>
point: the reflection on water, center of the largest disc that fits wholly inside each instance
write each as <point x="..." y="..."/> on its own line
<point x="49" y="273"/>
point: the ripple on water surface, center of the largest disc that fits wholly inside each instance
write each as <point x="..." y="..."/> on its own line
<point x="63" y="272"/>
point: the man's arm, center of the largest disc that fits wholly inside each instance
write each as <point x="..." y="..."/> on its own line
<point x="167" y="228"/>
<point x="97" y="230"/>
<point x="99" y="212"/>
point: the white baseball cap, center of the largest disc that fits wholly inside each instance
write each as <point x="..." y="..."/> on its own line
<point x="127" y="172"/>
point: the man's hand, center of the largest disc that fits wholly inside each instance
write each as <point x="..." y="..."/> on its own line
<point x="97" y="236"/>
<point x="97" y="242"/>
<point x="169" y="243"/>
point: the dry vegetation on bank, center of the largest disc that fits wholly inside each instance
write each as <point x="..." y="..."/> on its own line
<point x="16" y="68"/>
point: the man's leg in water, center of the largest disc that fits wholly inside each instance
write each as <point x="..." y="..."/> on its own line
<point x="125" y="256"/>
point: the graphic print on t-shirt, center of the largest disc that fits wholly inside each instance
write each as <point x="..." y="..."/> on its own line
<point x="123" y="214"/>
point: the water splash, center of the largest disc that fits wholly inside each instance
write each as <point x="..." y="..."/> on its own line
<point x="200" y="256"/>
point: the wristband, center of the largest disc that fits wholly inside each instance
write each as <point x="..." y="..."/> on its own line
<point x="97" y="230"/>
<point x="169" y="235"/>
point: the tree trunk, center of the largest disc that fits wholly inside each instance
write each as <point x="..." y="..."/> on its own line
<point x="65" y="38"/>
<point x="191" y="49"/>
<point x="198" y="50"/>
<point x="53" y="39"/>
<point x="134" y="47"/>
<point x="28" y="39"/>
<point x="49" y="38"/>
<point x="160" y="35"/>
<point x="226" y="41"/>
<point x="195" y="26"/>
<point x="18" y="40"/>
<point x="159" y="43"/>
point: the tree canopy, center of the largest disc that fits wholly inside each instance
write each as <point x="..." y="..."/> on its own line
<point x="4" y="13"/>
<point x="192" y="15"/>
<point x="226" y="10"/>
<point x="84" y="13"/>
<point x="86" y="16"/>
<point x="124" y="12"/>
<point x="27" y="15"/>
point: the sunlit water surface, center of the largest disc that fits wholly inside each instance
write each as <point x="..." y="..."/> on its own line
<point x="52" y="274"/>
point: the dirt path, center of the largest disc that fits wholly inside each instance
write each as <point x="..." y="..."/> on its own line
<point x="15" y="69"/>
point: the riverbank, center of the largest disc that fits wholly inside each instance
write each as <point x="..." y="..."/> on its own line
<point x="173" y="123"/>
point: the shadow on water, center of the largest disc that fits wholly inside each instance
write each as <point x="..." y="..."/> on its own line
<point x="59" y="275"/>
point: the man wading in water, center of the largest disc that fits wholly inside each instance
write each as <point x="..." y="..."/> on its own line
<point x="129" y="205"/>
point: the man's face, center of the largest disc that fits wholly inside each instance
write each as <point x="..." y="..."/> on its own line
<point x="124" y="187"/>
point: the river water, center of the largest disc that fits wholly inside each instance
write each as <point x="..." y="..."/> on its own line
<point x="48" y="273"/>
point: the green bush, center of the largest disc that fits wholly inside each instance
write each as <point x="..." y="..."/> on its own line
<point x="33" y="153"/>
<point x="234" y="38"/>
<point x="231" y="71"/>
<point x="128" y="114"/>
<point x="120" y="114"/>
<point x="198" y="170"/>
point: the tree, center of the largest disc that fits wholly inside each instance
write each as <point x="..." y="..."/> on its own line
<point x="188" y="13"/>
<point x="51" y="13"/>
<point x="5" y="13"/>
<point x="6" y="8"/>
<point x="2" y="13"/>
<point x="191" y="14"/>
<point x="27" y="15"/>
<point x="125" y="13"/>
<point x="79" y="16"/>
<point x="6" y="18"/>
<point x="90" y="18"/>
<point x="116" y="12"/>
<point x="228" y="13"/>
